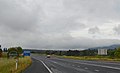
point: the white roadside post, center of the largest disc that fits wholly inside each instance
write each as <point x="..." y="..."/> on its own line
<point x="16" y="64"/>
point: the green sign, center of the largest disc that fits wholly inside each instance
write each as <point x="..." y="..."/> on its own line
<point x="13" y="54"/>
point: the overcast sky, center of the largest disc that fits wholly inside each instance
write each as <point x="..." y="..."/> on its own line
<point x="59" y="24"/>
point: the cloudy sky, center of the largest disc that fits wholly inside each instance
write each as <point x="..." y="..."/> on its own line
<point x="59" y="24"/>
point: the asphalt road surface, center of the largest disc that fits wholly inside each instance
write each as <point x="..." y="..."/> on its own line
<point x="41" y="64"/>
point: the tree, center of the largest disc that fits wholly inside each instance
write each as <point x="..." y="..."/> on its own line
<point x="5" y="50"/>
<point x="117" y="53"/>
<point x="111" y="53"/>
<point x="48" y="52"/>
<point x="20" y="51"/>
<point x="15" y="49"/>
<point x="10" y="50"/>
<point x="0" y="52"/>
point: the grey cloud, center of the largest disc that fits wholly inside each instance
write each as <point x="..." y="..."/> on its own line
<point x="60" y="24"/>
<point x="16" y="17"/>
<point x="117" y="29"/>
<point x="93" y="30"/>
<point x="94" y="11"/>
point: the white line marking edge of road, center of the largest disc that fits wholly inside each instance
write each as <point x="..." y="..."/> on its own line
<point x="46" y="67"/>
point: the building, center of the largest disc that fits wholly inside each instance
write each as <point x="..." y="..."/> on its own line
<point x="102" y="51"/>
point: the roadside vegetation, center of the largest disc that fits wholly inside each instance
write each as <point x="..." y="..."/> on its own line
<point x="8" y="63"/>
<point x="96" y="58"/>
<point x="113" y="55"/>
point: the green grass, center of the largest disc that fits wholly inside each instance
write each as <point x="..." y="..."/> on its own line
<point x="8" y="65"/>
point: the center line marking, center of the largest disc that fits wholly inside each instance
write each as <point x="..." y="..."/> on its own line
<point x="97" y="70"/>
<point x="86" y="68"/>
<point x="78" y="66"/>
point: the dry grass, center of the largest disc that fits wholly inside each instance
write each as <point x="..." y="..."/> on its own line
<point x="4" y="55"/>
<point x="97" y="58"/>
<point x="8" y="65"/>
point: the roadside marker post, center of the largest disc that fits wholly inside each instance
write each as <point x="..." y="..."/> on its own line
<point x="16" y="64"/>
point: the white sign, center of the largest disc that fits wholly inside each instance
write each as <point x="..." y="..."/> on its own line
<point x="102" y="51"/>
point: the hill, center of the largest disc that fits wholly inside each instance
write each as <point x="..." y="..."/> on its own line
<point x="107" y="47"/>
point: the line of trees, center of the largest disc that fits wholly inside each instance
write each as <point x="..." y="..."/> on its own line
<point x="89" y="52"/>
<point x="114" y="52"/>
<point x="68" y="53"/>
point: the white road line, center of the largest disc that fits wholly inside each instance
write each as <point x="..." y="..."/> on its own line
<point x="86" y="68"/>
<point x="73" y="65"/>
<point x="46" y="67"/>
<point x="97" y="70"/>
<point x="78" y="66"/>
<point x="100" y="66"/>
<point x="53" y="61"/>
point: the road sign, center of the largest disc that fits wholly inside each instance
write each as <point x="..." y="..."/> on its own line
<point x="26" y="53"/>
<point x="13" y="54"/>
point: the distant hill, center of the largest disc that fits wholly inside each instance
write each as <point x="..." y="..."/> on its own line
<point x="103" y="47"/>
<point x="107" y="47"/>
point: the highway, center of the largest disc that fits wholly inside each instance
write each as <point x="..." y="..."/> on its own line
<point x="61" y="65"/>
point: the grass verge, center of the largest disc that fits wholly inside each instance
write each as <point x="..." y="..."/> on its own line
<point x="8" y="65"/>
<point x="96" y="58"/>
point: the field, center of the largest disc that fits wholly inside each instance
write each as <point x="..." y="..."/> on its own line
<point x="9" y="65"/>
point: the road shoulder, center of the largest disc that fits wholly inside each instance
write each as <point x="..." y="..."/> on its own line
<point x="36" y="67"/>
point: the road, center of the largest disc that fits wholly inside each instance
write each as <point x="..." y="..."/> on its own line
<point x="36" y="67"/>
<point x="61" y="65"/>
